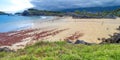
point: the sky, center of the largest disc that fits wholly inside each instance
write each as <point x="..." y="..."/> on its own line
<point x="11" y="6"/>
<point x="19" y="5"/>
<point x="65" y="4"/>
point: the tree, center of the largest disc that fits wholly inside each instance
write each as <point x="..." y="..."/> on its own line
<point x="77" y="12"/>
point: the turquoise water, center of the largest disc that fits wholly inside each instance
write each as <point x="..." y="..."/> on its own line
<point x="12" y="23"/>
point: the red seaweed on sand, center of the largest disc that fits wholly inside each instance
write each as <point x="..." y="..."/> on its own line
<point x="75" y="36"/>
<point x="7" y="39"/>
<point x="10" y="38"/>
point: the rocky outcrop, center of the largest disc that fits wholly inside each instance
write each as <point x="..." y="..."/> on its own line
<point x="96" y="17"/>
<point x="115" y="38"/>
<point x="5" y="49"/>
<point x="26" y="13"/>
<point x="79" y="42"/>
<point x="3" y="13"/>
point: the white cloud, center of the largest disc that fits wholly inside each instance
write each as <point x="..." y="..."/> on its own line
<point x="15" y="5"/>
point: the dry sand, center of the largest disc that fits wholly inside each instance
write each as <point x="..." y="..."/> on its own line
<point x="92" y="29"/>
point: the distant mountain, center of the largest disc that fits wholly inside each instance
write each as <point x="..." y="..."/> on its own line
<point x="92" y="9"/>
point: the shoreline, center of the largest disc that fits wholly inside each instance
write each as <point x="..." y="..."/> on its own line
<point x="60" y="29"/>
<point x="14" y="23"/>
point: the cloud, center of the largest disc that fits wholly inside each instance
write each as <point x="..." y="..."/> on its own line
<point x="64" y="4"/>
<point x="18" y="5"/>
<point x="14" y="5"/>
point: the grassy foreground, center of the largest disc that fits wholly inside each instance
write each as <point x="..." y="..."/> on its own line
<point x="64" y="51"/>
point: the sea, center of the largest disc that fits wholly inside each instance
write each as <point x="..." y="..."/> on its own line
<point x="15" y="22"/>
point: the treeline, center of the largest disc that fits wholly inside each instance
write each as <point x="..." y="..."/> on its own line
<point x="3" y="13"/>
<point x="75" y="14"/>
<point x="35" y="12"/>
<point x="116" y="12"/>
<point x="103" y="13"/>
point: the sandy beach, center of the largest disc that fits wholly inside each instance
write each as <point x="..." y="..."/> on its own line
<point x="61" y="29"/>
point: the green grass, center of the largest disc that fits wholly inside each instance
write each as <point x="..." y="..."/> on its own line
<point x="64" y="51"/>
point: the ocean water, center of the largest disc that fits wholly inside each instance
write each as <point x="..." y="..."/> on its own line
<point x="12" y="23"/>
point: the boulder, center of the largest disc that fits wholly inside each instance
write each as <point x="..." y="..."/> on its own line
<point x="5" y="49"/>
<point x="81" y="42"/>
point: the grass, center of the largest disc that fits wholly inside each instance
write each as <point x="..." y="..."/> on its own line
<point x="64" y="51"/>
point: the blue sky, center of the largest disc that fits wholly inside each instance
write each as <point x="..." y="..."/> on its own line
<point x="18" y="5"/>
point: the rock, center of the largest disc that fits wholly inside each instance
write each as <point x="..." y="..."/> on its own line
<point x="79" y="42"/>
<point x="82" y="42"/>
<point x="25" y="13"/>
<point x="5" y="49"/>
<point x="115" y="38"/>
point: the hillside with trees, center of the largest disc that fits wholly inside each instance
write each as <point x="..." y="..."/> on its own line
<point x="75" y="14"/>
<point x="116" y="12"/>
<point x="35" y="12"/>
<point x="2" y="13"/>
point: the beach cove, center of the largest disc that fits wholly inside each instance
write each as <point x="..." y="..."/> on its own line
<point x="60" y="29"/>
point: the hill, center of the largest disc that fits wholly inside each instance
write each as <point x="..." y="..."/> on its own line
<point x="2" y="13"/>
<point x="110" y="12"/>
<point x="116" y="12"/>
<point x="92" y="9"/>
<point x="36" y="12"/>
